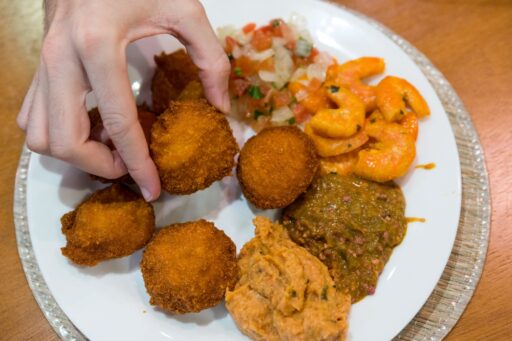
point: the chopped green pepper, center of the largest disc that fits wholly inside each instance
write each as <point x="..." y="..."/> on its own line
<point x="255" y="92"/>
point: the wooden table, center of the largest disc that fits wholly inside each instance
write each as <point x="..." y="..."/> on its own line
<point x="469" y="41"/>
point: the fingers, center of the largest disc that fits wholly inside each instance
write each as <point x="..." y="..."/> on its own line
<point x="22" y="118"/>
<point x="108" y="76"/>
<point x="68" y="122"/>
<point x="195" y="32"/>
<point x="37" y="116"/>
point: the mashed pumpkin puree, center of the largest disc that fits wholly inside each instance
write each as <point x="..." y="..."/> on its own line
<point x="285" y="293"/>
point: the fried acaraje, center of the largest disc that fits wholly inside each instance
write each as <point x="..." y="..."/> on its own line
<point x="113" y="222"/>
<point x="188" y="267"/>
<point x="276" y="166"/>
<point x="192" y="146"/>
<point x="284" y="292"/>
<point x="146" y="120"/>
<point x="174" y="71"/>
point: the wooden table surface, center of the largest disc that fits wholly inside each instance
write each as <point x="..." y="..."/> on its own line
<point x="469" y="41"/>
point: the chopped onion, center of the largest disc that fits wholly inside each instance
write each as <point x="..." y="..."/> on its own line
<point x="261" y="55"/>
<point x="317" y="71"/>
<point x="303" y="47"/>
<point x="281" y="114"/>
<point x="237" y="52"/>
<point x="224" y="31"/>
<point x="267" y="76"/>
<point x="301" y="95"/>
<point x="301" y="71"/>
<point x="283" y="66"/>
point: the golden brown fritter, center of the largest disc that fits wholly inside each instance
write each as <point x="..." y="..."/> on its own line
<point x="188" y="267"/>
<point x="113" y="222"/>
<point x="146" y="120"/>
<point x="193" y="90"/>
<point x="276" y="166"/>
<point x="192" y="146"/>
<point x="173" y="72"/>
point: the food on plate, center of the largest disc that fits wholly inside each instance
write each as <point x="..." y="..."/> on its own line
<point x="395" y="94"/>
<point x="172" y="74"/>
<point x="340" y="164"/>
<point x="146" y="119"/>
<point x="276" y="73"/>
<point x="193" y="90"/>
<point x="113" y="222"/>
<point x="276" y="166"/>
<point x="389" y="155"/>
<point x="285" y="293"/>
<point x="188" y="267"/>
<point x="192" y="146"/>
<point x="349" y="75"/>
<point x="351" y="225"/>
<point x="279" y="78"/>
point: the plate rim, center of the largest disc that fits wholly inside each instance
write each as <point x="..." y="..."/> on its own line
<point x="474" y="217"/>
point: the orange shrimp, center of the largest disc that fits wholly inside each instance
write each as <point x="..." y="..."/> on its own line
<point x="395" y="94"/>
<point x="409" y="122"/>
<point x="327" y="147"/>
<point x="341" y="164"/>
<point x="350" y="75"/>
<point x="315" y="97"/>
<point x="342" y="122"/>
<point x="389" y="156"/>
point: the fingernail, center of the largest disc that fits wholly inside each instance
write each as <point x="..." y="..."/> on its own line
<point x="146" y="194"/>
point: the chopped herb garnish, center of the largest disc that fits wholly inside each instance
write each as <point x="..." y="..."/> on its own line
<point x="349" y="145"/>
<point x="292" y="121"/>
<point x="293" y="100"/>
<point x="334" y="88"/>
<point x="258" y="113"/>
<point x="293" y="293"/>
<point x="237" y="71"/>
<point x="373" y="120"/>
<point x="324" y="293"/>
<point x="255" y="92"/>
<point x="276" y="23"/>
<point x="402" y="112"/>
<point x="358" y="127"/>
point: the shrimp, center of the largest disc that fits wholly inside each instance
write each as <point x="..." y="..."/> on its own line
<point x="389" y="156"/>
<point x="312" y="96"/>
<point x="342" y="122"/>
<point x="409" y="122"/>
<point x="394" y="94"/>
<point x="327" y="147"/>
<point x="340" y="164"/>
<point x="349" y="75"/>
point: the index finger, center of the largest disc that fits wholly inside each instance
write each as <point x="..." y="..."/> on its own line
<point x="108" y="76"/>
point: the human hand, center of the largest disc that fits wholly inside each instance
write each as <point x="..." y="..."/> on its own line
<point x="83" y="50"/>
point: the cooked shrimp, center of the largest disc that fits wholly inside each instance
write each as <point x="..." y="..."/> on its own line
<point x="340" y="164"/>
<point x="311" y="96"/>
<point x="409" y="122"/>
<point x="349" y="75"/>
<point x="342" y="122"/>
<point x="395" y="94"/>
<point x="389" y="156"/>
<point x="327" y="147"/>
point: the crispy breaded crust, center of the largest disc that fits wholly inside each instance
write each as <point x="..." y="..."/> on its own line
<point x="188" y="267"/>
<point x="113" y="222"/>
<point x="192" y="146"/>
<point x="276" y="166"/>
<point x="174" y="71"/>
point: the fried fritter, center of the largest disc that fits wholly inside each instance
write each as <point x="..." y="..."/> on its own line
<point x="146" y="120"/>
<point x="174" y="71"/>
<point x="192" y="146"/>
<point x="113" y="222"/>
<point x="276" y="166"/>
<point x="188" y="267"/>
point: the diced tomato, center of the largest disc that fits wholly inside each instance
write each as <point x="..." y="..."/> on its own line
<point x="300" y="113"/>
<point x="281" y="98"/>
<point x="313" y="54"/>
<point x="249" y="27"/>
<point x="261" y="40"/>
<point x="230" y="44"/>
<point x="248" y="67"/>
<point x="239" y="86"/>
<point x="290" y="45"/>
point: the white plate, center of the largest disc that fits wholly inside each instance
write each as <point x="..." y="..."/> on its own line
<point x="109" y="301"/>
